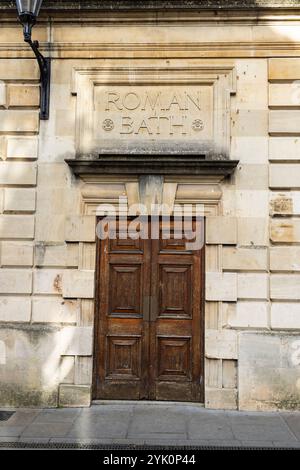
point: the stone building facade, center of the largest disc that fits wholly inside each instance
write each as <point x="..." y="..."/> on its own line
<point x="230" y="72"/>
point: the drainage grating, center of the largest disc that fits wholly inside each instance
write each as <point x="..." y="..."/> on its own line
<point x="129" y="447"/>
<point x="5" y="415"/>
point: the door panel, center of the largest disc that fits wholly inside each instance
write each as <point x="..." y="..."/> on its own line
<point x="149" y="323"/>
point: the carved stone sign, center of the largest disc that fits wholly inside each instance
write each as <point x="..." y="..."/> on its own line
<point x="153" y="113"/>
<point x="159" y="110"/>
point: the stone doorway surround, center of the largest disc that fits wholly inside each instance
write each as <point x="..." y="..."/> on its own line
<point x="221" y="288"/>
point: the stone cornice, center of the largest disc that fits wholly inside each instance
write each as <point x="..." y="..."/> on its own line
<point x="88" y="5"/>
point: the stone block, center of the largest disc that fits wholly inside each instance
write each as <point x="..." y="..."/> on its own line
<point x="252" y="177"/>
<point x="285" y="203"/>
<point x="22" y="147"/>
<point x="221" y="344"/>
<point x="64" y="255"/>
<point x="32" y="352"/>
<point x="253" y="286"/>
<point x="285" y="258"/>
<point x="213" y="373"/>
<point x="75" y="396"/>
<point x="253" y="231"/>
<point x="47" y="282"/>
<point x="249" y="315"/>
<point x="285" y="316"/>
<point x="229" y="374"/>
<point x="221" y="287"/>
<point x="3" y="94"/>
<point x="222" y="399"/>
<point x="76" y="341"/>
<point x="248" y="123"/>
<point x="23" y="96"/>
<point x="78" y="284"/>
<point x="284" y="122"/>
<point x="50" y="229"/>
<point x="268" y="371"/>
<point x="284" y="94"/>
<point x="17" y="226"/>
<point x="19" y="200"/>
<point x="12" y="69"/>
<point x="252" y="203"/>
<point x="15" y="281"/>
<point x="285" y="230"/>
<point x="54" y="175"/>
<point x="285" y="287"/>
<point x="45" y="310"/>
<point x="250" y="150"/>
<point x="83" y="370"/>
<point x="2" y="147"/>
<point x="284" y="148"/>
<point x="12" y="173"/>
<point x="245" y="259"/>
<point x="19" y="121"/>
<point x="80" y="229"/>
<point x="221" y="230"/>
<point x="16" y="254"/>
<point x="16" y="309"/>
<point x="285" y="176"/>
<point x="284" y="69"/>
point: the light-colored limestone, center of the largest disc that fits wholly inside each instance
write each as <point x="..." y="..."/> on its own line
<point x="252" y="203"/>
<point x="15" y="309"/>
<point x="285" y="176"/>
<point x="45" y="310"/>
<point x="221" y="231"/>
<point x="74" y="396"/>
<point x="2" y="147"/>
<point x="284" y="69"/>
<point x="23" y="96"/>
<point x="284" y="94"/>
<point x="15" y="281"/>
<point x="285" y="316"/>
<point x="76" y="341"/>
<point x="16" y="254"/>
<point x="213" y="373"/>
<point x="249" y="315"/>
<point x="78" y="284"/>
<point x="22" y="147"/>
<point x="3" y="94"/>
<point x="285" y="203"/>
<point x="285" y="231"/>
<point x="253" y="231"/>
<point x="19" y="200"/>
<point x="284" y="148"/>
<point x="221" y="287"/>
<point x="24" y="174"/>
<point x="250" y="150"/>
<point x="285" y="286"/>
<point x="285" y="259"/>
<point x="245" y="259"/>
<point x="67" y="370"/>
<point x="19" y="121"/>
<point x="253" y="286"/>
<point x="252" y="177"/>
<point x="12" y="69"/>
<point x="17" y="226"/>
<point x="221" y="344"/>
<point x="268" y="371"/>
<point x="284" y="122"/>
<point x="47" y="282"/>
<point x="50" y="228"/>
<point x="229" y="374"/>
<point x="83" y="370"/>
<point x="65" y="255"/>
<point x="221" y="399"/>
<point x="80" y="229"/>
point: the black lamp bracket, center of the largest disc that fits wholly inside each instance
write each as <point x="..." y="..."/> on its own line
<point x="28" y="21"/>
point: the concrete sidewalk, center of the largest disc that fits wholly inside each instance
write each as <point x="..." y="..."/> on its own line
<point x="152" y="424"/>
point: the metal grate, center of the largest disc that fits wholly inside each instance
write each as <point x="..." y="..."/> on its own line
<point x="5" y="415"/>
<point x="76" y="446"/>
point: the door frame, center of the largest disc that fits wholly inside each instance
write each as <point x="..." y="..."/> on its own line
<point x="97" y="314"/>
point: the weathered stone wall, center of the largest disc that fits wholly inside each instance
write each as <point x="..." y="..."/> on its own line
<point x="47" y="216"/>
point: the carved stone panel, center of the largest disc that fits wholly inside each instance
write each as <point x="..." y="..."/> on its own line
<point x="158" y="110"/>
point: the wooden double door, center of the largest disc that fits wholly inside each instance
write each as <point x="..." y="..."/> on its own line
<point x="149" y="319"/>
